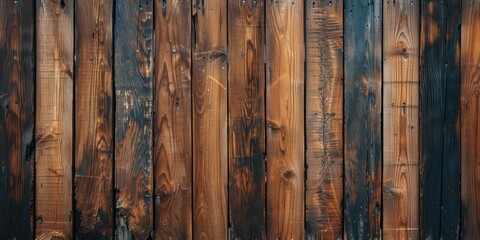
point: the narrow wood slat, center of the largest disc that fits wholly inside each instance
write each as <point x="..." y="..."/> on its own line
<point x="400" y="119"/>
<point x="246" y="97"/>
<point x="93" y="119"/>
<point x="363" y="119"/>
<point x="209" y="86"/>
<point x="54" y="117"/>
<point x="285" y="119"/>
<point x="133" y="68"/>
<point x="172" y="136"/>
<point x="324" y="119"/>
<point x="470" y="119"/>
<point x="16" y="118"/>
<point x="439" y="106"/>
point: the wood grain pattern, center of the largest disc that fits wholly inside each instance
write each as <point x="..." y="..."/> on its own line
<point x="285" y="119"/>
<point x="93" y="119"/>
<point x="209" y="86"/>
<point x="363" y="119"/>
<point x="400" y="119"/>
<point x="173" y="137"/>
<point x="470" y="119"/>
<point x="439" y="116"/>
<point x="54" y="113"/>
<point x="246" y="88"/>
<point x="17" y="89"/>
<point x="324" y="119"/>
<point x="246" y="119"/>
<point x="133" y="70"/>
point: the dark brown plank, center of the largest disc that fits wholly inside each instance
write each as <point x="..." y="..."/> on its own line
<point x="17" y="89"/>
<point x="400" y="119"/>
<point x="209" y="86"/>
<point x="173" y="137"/>
<point x="246" y="97"/>
<point x="363" y="119"/>
<point x="470" y="120"/>
<point x="285" y="119"/>
<point x="324" y="119"/>
<point x="54" y="117"/>
<point x="133" y="68"/>
<point x="439" y="114"/>
<point x="93" y="119"/>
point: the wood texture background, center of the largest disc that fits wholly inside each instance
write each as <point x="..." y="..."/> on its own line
<point x="239" y="119"/>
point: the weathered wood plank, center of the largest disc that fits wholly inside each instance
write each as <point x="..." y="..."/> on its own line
<point x="363" y="119"/>
<point x="209" y="86"/>
<point x="400" y="119"/>
<point x="285" y="119"/>
<point x="54" y="113"/>
<point x="133" y="68"/>
<point x="173" y="137"/>
<point x="470" y="120"/>
<point x="324" y="119"/>
<point x="17" y="89"/>
<point x="439" y="106"/>
<point x="93" y="119"/>
<point x="246" y="97"/>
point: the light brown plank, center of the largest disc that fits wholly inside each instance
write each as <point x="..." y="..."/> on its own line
<point x="93" y="119"/>
<point x="400" y="119"/>
<point x="209" y="86"/>
<point x="285" y="119"/>
<point x="53" y="128"/>
<point x="470" y="119"/>
<point x="173" y="137"/>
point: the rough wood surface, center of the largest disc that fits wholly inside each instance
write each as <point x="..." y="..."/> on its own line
<point x="246" y="88"/>
<point x="363" y="119"/>
<point x="54" y="113"/>
<point x="209" y="86"/>
<point x="93" y="119"/>
<point x="285" y="119"/>
<point x="470" y="119"/>
<point x="173" y="137"/>
<point x="400" y="119"/>
<point x="324" y="119"/>
<point x="133" y="70"/>
<point x="16" y="118"/>
<point x="439" y="116"/>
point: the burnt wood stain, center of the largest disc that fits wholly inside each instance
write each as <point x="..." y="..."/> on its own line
<point x="363" y="100"/>
<point x="246" y="87"/>
<point x="439" y="116"/>
<point x="133" y="77"/>
<point x="17" y="88"/>
<point x="93" y="190"/>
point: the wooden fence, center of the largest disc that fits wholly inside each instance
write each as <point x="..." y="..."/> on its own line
<point x="240" y="119"/>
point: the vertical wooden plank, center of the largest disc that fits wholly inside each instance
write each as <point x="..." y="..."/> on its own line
<point x="53" y="128"/>
<point x="324" y="119"/>
<point x="16" y="118"/>
<point x="173" y="137"/>
<point x="285" y="119"/>
<point x="209" y="86"/>
<point x="470" y="122"/>
<point x="93" y="119"/>
<point x="246" y="93"/>
<point x="133" y="68"/>
<point x="439" y="106"/>
<point x="363" y="119"/>
<point x="400" y="119"/>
